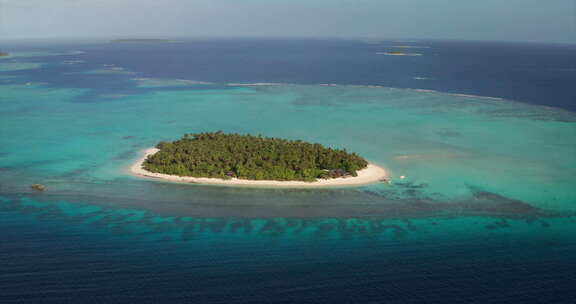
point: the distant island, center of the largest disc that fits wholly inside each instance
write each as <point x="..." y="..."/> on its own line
<point x="4" y="54"/>
<point x="397" y="53"/>
<point x="142" y="40"/>
<point x="220" y="158"/>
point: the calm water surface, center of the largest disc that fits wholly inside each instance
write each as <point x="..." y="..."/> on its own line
<point x="486" y="214"/>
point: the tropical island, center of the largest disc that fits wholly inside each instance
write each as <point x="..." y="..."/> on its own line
<point x="234" y="159"/>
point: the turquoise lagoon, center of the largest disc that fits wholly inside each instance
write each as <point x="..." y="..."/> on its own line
<point x="450" y="148"/>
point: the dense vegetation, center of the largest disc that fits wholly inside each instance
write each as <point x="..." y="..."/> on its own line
<point x="223" y="155"/>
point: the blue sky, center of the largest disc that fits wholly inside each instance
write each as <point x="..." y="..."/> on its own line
<point x="513" y="20"/>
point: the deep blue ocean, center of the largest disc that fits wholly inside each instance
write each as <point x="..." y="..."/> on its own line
<point x="484" y="131"/>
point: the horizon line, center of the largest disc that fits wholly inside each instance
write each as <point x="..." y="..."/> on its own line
<point x="223" y="37"/>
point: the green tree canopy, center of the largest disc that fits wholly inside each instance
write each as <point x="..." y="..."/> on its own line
<point x="220" y="155"/>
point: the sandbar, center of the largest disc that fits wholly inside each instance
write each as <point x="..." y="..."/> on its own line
<point x="369" y="175"/>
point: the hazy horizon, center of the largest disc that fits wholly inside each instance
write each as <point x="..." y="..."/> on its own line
<point x="203" y="38"/>
<point x="491" y="20"/>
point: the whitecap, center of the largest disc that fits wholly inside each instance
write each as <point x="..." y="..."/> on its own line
<point x="157" y="82"/>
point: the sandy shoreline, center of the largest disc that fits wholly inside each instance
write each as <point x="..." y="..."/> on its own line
<point x="368" y="175"/>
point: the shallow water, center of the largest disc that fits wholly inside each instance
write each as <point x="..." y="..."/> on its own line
<point x="448" y="147"/>
<point x="488" y="194"/>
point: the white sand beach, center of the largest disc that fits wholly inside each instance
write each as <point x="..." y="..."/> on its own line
<point x="368" y="175"/>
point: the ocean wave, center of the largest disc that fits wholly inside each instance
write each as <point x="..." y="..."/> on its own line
<point x="424" y="90"/>
<point x="256" y="84"/>
<point x="110" y="71"/>
<point x="475" y="96"/>
<point x="153" y="82"/>
<point x="350" y="85"/>
<point x="73" y="61"/>
<point x="187" y="81"/>
<point x="157" y="82"/>
<point x="73" y="53"/>
<point x="107" y="69"/>
<point x="452" y="94"/>
<point x="264" y="84"/>
<point x="18" y="66"/>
